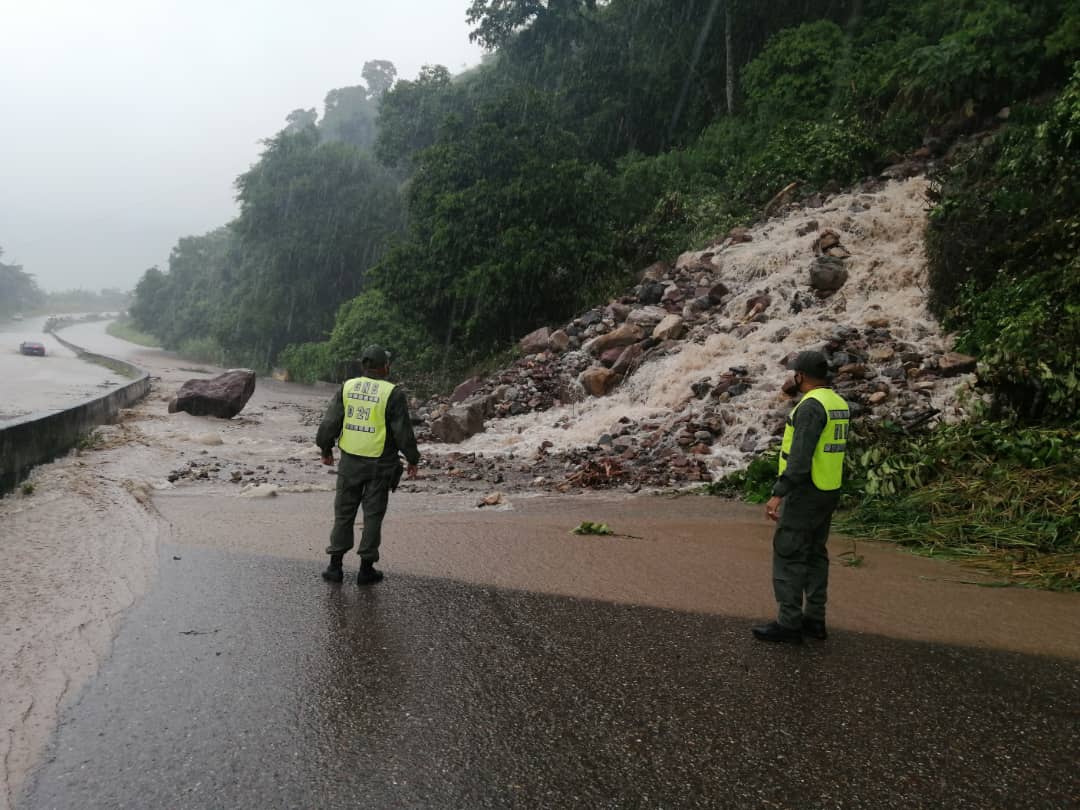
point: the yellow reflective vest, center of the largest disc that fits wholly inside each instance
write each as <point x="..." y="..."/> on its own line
<point x="827" y="469"/>
<point x="363" y="433"/>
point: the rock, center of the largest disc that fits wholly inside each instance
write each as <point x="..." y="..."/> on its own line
<point x="954" y="363"/>
<point x="878" y="397"/>
<point x="881" y="354"/>
<point x="757" y="304"/>
<point x="717" y="292"/>
<point x="827" y="274"/>
<point x="628" y="359"/>
<point x="878" y="323"/>
<point x="904" y="170"/>
<point x="609" y="356"/>
<point x="598" y="381"/>
<point x="622" y="336"/>
<point x="808" y="228"/>
<point x="739" y="235"/>
<point x="536" y="342"/>
<point x="209" y="439"/>
<point x="694" y="259"/>
<point x="647" y="317"/>
<point x="466" y="389"/>
<point x="672" y="295"/>
<point x="838" y="252"/>
<point x="618" y="312"/>
<point x="827" y="239"/>
<point x="814" y="201"/>
<point x="259" y="491"/>
<point x="701" y="388"/>
<point x="560" y="341"/>
<point x="458" y="424"/>
<point x="856" y="370"/>
<point x="491" y="499"/>
<point x="749" y="442"/>
<point x="655" y="272"/>
<point x="651" y="293"/>
<point x="223" y="396"/>
<point x="671" y="328"/>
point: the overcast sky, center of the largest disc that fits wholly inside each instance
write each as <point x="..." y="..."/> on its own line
<point x="123" y="123"/>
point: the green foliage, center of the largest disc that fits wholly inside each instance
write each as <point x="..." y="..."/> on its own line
<point x="124" y="329"/>
<point x="18" y="290"/>
<point x="203" y="350"/>
<point x="1004" y="250"/>
<point x="590" y="528"/>
<point x="797" y="75"/>
<point x="27" y="488"/>
<point x="753" y="484"/>
<point x="993" y="58"/>
<point x="997" y="495"/>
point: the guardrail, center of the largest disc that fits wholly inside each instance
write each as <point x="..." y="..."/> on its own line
<point x="39" y="438"/>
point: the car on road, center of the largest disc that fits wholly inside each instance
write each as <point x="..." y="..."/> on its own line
<point x="32" y="347"/>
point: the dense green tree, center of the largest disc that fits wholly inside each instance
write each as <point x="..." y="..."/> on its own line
<point x="313" y="218"/>
<point x="18" y="289"/>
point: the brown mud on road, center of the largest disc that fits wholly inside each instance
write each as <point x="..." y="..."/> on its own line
<point x="81" y="549"/>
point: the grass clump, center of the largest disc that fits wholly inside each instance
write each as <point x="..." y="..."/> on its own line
<point x="27" y="488"/>
<point x="1000" y="497"/>
<point x="124" y="329"/>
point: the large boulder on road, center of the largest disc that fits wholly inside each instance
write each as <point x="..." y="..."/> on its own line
<point x="223" y="396"/>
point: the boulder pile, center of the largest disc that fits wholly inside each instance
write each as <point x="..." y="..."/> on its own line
<point x="736" y="300"/>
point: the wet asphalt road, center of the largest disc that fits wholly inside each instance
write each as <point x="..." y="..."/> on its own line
<point x="246" y="682"/>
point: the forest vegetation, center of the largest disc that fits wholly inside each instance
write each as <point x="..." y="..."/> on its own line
<point x="449" y="215"/>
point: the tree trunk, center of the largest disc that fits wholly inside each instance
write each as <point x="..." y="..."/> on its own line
<point x="729" y="60"/>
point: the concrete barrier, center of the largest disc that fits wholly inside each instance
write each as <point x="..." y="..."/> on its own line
<point x="39" y="438"/>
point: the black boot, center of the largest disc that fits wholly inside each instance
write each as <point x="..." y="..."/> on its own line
<point x="333" y="572"/>
<point x="368" y="575"/>
<point x="815" y="628"/>
<point x="774" y="631"/>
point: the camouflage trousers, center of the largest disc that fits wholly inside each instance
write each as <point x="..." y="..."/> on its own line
<point x="801" y="572"/>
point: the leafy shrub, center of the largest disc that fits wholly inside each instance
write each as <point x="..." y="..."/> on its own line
<point x="993" y="57"/>
<point x="1004" y="253"/>
<point x="796" y="75"/>
<point x="753" y="484"/>
<point x="990" y="492"/>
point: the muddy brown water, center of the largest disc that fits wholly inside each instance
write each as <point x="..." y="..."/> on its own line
<point x="84" y="548"/>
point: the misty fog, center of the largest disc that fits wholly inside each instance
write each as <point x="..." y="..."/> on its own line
<point x="126" y="123"/>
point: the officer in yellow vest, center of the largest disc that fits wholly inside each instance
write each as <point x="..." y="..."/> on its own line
<point x="369" y="421"/>
<point x="804" y="497"/>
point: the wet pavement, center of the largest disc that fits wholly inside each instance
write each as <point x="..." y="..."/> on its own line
<point x="243" y="680"/>
<point x="30" y="384"/>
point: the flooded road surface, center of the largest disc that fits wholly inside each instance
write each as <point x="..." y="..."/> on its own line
<point x="504" y="662"/>
<point x="41" y="384"/>
<point x="243" y="681"/>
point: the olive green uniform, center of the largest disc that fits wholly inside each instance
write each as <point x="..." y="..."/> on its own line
<point x="800" y="560"/>
<point x="365" y="483"/>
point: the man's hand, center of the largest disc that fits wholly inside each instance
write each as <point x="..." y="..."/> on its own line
<point x="328" y="459"/>
<point x="411" y="471"/>
<point x="772" y="508"/>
